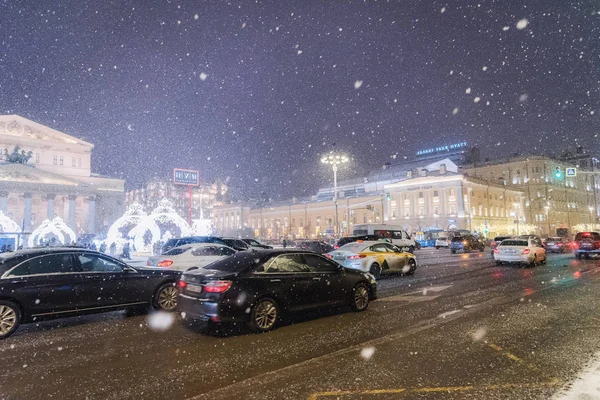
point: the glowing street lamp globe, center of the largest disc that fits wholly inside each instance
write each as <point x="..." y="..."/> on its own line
<point x="334" y="159"/>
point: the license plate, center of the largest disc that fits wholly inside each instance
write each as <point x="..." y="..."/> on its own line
<point x="194" y="288"/>
<point x="340" y="258"/>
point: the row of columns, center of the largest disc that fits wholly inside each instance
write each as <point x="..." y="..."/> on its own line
<point x="50" y="198"/>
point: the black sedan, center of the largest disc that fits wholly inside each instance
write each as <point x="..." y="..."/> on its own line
<point x="60" y="282"/>
<point x="258" y="286"/>
<point x="315" y="246"/>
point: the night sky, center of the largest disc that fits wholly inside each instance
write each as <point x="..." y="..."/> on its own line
<point x="255" y="92"/>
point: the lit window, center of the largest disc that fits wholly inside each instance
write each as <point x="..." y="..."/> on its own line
<point x="55" y="160"/>
<point x="61" y="160"/>
<point x="73" y="162"/>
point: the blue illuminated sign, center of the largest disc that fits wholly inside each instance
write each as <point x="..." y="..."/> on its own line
<point x="442" y="148"/>
<point x="186" y="177"/>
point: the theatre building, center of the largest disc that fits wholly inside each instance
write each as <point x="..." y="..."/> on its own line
<point x="53" y="178"/>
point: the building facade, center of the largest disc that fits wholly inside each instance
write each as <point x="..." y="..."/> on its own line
<point x="204" y="197"/>
<point x="419" y="197"/>
<point x="553" y="199"/>
<point x="56" y="181"/>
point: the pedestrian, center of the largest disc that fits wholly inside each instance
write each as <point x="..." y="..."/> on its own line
<point x="126" y="251"/>
<point x="284" y="243"/>
<point x="113" y="249"/>
<point x="103" y="248"/>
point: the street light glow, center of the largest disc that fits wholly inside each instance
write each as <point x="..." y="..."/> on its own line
<point x="334" y="159"/>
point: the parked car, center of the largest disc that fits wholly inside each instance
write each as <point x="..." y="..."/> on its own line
<point x="528" y="251"/>
<point x="558" y="245"/>
<point x="442" y="242"/>
<point x="586" y="244"/>
<point x="497" y="240"/>
<point x="60" y="282"/>
<point x="195" y="255"/>
<point x="236" y="244"/>
<point x="466" y="243"/>
<point x="375" y="257"/>
<point x="176" y="242"/>
<point x="256" y="244"/>
<point x="258" y="287"/>
<point x="316" y="246"/>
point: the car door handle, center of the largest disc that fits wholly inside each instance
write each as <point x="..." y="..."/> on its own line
<point x="275" y="280"/>
<point x="316" y="278"/>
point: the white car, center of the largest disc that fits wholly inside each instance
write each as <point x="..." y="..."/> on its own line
<point x="442" y="242"/>
<point x="188" y="256"/>
<point x="376" y="257"/>
<point x="527" y="251"/>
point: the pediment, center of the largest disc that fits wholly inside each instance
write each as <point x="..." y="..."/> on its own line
<point x="15" y="125"/>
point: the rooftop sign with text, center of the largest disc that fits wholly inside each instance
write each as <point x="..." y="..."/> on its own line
<point x="186" y="177"/>
<point x="440" y="149"/>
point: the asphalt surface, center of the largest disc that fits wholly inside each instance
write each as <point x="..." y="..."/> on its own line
<point x="460" y="328"/>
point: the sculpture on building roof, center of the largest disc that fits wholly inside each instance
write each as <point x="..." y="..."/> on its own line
<point x="16" y="156"/>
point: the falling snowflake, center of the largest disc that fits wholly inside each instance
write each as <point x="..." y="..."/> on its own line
<point x="523" y="97"/>
<point x="476" y="99"/>
<point x="367" y="352"/>
<point x="443" y="10"/>
<point x="160" y="320"/>
<point x="357" y="84"/>
<point x="522" y="24"/>
<point x="299" y="52"/>
<point x="479" y="334"/>
<point x="455" y="111"/>
<point x="203" y="76"/>
<point x="484" y="68"/>
<point x="506" y="28"/>
<point x="468" y="91"/>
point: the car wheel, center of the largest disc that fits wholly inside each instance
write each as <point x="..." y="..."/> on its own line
<point x="498" y="262"/>
<point x="10" y="318"/>
<point x="412" y="267"/>
<point x="437" y="247"/>
<point x="375" y="270"/>
<point x="165" y="297"/>
<point x="482" y="249"/>
<point x="360" y="297"/>
<point x="577" y="256"/>
<point x="453" y="251"/>
<point x="264" y="315"/>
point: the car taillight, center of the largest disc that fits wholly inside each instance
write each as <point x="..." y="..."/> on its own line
<point x="336" y="247"/>
<point x="496" y="251"/>
<point x="526" y="251"/>
<point x="147" y="263"/>
<point x="356" y="256"/>
<point x="182" y="284"/>
<point x="493" y="244"/>
<point x="165" y="263"/>
<point x="328" y="256"/>
<point x="217" y="286"/>
<point x="575" y="245"/>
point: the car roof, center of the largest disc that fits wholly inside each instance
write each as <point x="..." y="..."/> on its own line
<point x="194" y="245"/>
<point x="36" y="251"/>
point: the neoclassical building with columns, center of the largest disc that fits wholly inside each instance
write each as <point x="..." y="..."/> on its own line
<point x="57" y="180"/>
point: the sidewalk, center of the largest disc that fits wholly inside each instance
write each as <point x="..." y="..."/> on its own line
<point x="586" y="386"/>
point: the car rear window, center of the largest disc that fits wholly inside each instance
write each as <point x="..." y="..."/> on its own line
<point x="354" y="247"/>
<point x="176" y="251"/>
<point x="237" y="262"/>
<point x="510" y="242"/>
<point x="501" y="238"/>
<point x="587" y="235"/>
<point x="458" y="239"/>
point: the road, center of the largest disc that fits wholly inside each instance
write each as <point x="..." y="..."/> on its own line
<point x="461" y="327"/>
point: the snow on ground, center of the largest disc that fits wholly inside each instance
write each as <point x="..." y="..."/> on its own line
<point x="586" y="386"/>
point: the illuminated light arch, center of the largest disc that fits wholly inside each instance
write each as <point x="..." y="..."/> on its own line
<point x="7" y="224"/>
<point x="202" y="227"/>
<point x="55" y="227"/>
<point x="164" y="214"/>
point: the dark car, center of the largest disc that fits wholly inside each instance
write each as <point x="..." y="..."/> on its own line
<point x="497" y="240"/>
<point x="176" y="242"/>
<point x="586" y="244"/>
<point x="316" y="246"/>
<point x="257" y="287"/>
<point x="557" y="245"/>
<point x="256" y="244"/>
<point x="236" y="244"/>
<point x="466" y="243"/>
<point x="60" y="282"/>
<point x="349" y="239"/>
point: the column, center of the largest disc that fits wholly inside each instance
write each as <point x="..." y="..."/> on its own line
<point x="426" y="195"/>
<point x="71" y="222"/>
<point x="27" y="212"/>
<point x="4" y="202"/>
<point x="414" y="205"/>
<point x="443" y="203"/>
<point x="92" y="215"/>
<point x="460" y="201"/>
<point x="50" y="205"/>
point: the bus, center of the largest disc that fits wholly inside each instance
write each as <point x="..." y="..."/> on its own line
<point x="394" y="233"/>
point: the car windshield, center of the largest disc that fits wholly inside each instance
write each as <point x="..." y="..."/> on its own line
<point x="164" y="138"/>
<point x="511" y="242"/>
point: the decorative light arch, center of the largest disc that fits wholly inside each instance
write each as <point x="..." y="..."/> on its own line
<point x="55" y="227"/>
<point x="164" y="213"/>
<point x="7" y="224"/>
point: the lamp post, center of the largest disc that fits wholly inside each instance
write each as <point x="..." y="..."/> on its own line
<point x="517" y="213"/>
<point x="334" y="159"/>
<point x="547" y="208"/>
<point x="591" y="217"/>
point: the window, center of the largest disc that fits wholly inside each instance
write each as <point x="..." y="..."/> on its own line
<point x="176" y="252"/>
<point x="319" y="264"/>
<point x="37" y="158"/>
<point x="420" y="195"/>
<point x="49" y="264"/>
<point x="435" y="193"/>
<point x="94" y="263"/>
<point x="61" y="160"/>
<point x="79" y="162"/>
<point x="379" y="248"/>
<point x="55" y="160"/>
<point x="286" y="263"/>
<point x="73" y="162"/>
<point x="225" y="251"/>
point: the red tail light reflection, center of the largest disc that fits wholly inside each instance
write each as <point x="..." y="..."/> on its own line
<point x="526" y="251"/>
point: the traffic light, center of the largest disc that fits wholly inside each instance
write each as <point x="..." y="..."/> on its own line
<point x="388" y="196"/>
<point x="558" y="173"/>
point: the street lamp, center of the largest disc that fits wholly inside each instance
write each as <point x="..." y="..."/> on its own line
<point x="334" y="159"/>
<point x="547" y="208"/>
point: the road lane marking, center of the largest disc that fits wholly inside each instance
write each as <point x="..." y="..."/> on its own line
<point x="539" y="385"/>
<point x="527" y="365"/>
